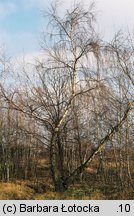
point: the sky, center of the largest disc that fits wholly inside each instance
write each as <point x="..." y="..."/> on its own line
<point x="22" y="22"/>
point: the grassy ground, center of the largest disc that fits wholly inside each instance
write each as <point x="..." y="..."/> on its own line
<point x="93" y="187"/>
<point x="13" y="191"/>
<point x="38" y="191"/>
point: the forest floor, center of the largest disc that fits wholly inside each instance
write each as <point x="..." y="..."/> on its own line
<point x="28" y="190"/>
<point x="93" y="187"/>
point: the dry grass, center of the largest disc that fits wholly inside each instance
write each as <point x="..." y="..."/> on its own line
<point x="28" y="190"/>
<point x="12" y="191"/>
<point x="75" y="192"/>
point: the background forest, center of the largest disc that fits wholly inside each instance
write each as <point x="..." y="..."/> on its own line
<point x="67" y="121"/>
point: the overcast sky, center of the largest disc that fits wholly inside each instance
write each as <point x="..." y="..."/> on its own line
<point x="21" y="21"/>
